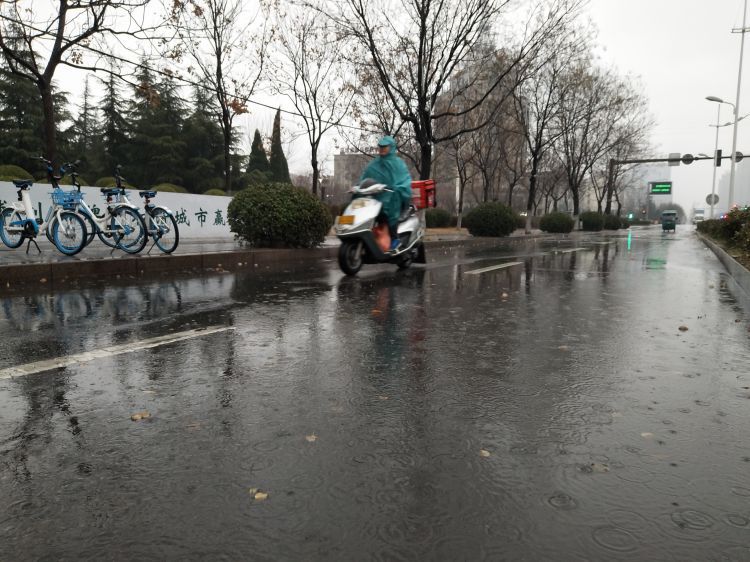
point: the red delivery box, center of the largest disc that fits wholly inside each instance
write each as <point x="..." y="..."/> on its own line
<point x="423" y="193"/>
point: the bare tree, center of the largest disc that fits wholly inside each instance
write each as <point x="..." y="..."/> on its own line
<point x="417" y="56"/>
<point x="311" y="75"/>
<point x="35" y="43"/>
<point x="215" y="34"/>
<point x="538" y="105"/>
<point x="595" y="106"/>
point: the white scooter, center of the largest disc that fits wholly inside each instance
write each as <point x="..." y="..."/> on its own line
<point x="355" y="230"/>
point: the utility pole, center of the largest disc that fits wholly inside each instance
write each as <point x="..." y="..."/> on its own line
<point x="742" y="30"/>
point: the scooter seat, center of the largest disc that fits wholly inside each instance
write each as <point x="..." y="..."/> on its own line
<point x="406" y="213"/>
<point x="23" y="184"/>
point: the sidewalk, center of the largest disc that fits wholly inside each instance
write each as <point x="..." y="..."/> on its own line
<point x="18" y="269"/>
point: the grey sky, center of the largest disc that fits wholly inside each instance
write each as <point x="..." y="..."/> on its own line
<point x="683" y="51"/>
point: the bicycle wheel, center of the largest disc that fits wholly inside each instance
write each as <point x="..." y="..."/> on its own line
<point x="69" y="233"/>
<point x="166" y="235"/>
<point x="12" y="238"/>
<point x="128" y="230"/>
<point x="91" y="228"/>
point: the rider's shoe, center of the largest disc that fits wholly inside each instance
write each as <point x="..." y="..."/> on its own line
<point x="395" y="245"/>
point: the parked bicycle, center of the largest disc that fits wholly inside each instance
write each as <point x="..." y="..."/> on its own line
<point x="64" y="228"/>
<point x="121" y="225"/>
<point x="161" y="225"/>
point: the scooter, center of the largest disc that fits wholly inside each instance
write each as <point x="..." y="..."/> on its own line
<point x="354" y="227"/>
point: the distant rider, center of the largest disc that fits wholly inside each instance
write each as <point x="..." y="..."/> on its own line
<point x="390" y="170"/>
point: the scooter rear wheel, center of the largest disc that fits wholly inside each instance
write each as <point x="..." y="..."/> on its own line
<point x="350" y="256"/>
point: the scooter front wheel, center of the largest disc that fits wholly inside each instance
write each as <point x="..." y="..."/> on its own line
<point x="350" y="256"/>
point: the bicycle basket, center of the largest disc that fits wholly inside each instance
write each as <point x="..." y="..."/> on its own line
<point x="68" y="200"/>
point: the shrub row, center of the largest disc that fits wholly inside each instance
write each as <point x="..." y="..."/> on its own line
<point x="491" y="219"/>
<point x="734" y="229"/>
<point x="279" y="215"/>
<point x="556" y="222"/>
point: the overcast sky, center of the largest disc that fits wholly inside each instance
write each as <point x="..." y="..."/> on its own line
<point x="683" y="51"/>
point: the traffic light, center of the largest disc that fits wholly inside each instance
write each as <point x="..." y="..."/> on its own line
<point x="717" y="157"/>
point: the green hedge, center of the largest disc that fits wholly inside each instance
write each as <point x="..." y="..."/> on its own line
<point x="169" y="188"/>
<point x="592" y="221"/>
<point x="437" y="218"/>
<point x="215" y="191"/>
<point x="10" y="172"/>
<point x="612" y="222"/>
<point x="279" y="215"/>
<point x="556" y="222"/>
<point x="491" y="219"/>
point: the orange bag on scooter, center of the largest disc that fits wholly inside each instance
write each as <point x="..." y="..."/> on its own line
<point x="382" y="237"/>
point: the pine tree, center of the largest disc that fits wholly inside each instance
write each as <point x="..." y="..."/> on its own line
<point x="112" y="150"/>
<point x="258" y="159"/>
<point x="277" y="162"/>
<point x="85" y="134"/>
<point x="21" y="122"/>
<point x="204" y="147"/>
<point x="156" y="148"/>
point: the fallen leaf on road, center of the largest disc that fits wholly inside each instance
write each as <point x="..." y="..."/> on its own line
<point x="563" y="348"/>
<point x="140" y="416"/>
<point x="647" y="435"/>
<point x="257" y="494"/>
<point x="311" y="438"/>
<point x="599" y="467"/>
<point x="683" y="328"/>
<point x="505" y="295"/>
<point x="484" y="453"/>
<point x="383" y="397"/>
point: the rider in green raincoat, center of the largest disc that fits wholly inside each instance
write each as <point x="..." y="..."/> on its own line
<point x="389" y="169"/>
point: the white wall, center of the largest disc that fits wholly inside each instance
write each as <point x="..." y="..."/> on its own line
<point x="198" y="216"/>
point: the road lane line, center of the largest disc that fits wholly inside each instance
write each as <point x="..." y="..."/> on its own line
<point x="109" y="351"/>
<point x="494" y="267"/>
<point x="570" y="250"/>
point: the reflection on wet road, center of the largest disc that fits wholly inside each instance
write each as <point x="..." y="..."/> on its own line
<point x="558" y="401"/>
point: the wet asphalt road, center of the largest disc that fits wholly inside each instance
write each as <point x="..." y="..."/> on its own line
<point x="549" y="410"/>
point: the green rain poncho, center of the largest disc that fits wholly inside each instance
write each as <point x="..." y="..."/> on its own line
<point x="391" y="171"/>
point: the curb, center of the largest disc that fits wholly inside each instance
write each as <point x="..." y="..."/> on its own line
<point x="738" y="272"/>
<point x="17" y="277"/>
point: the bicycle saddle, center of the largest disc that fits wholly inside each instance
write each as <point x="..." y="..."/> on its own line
<point x="110" y="191"/>
<point x="21" y="184"/>
<point x="148" y="194"/>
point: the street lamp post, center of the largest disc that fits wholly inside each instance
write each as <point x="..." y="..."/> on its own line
<point x="742" y="31"/>
<point x="734" y="149"/>
<point x="716" y="150"/>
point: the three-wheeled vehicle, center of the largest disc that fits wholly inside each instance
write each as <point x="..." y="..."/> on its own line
<point x="669" y="221"/>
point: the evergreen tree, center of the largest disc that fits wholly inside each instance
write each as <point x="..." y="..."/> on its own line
<point x="21" y="122"/>
<point x="156" y="149"/>
<point x="258" y="159"/>
<point x="112" y="148"/>
<point x="85" y="134"/>
<point x="277" y="163"/>
<point x="204" y="147"/>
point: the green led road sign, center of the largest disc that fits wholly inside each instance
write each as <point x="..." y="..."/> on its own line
<point x="661" y="187"/>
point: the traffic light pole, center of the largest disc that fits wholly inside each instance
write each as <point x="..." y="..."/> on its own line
<point x="613" y="163"/>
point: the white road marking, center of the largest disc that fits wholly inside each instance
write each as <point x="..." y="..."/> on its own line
<point x="86" y="357"/>
<point x="569" y="251"/>
<point x="494" y="267"/>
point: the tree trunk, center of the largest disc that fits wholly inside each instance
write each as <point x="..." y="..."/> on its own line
<point x="425" y="160"/>
<point x="227" y="131"/>
<point x="50" y="131"/>
<point x="316" y="172"/>
<point x="610" y="188"/>
<point x="532" y="195"/>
